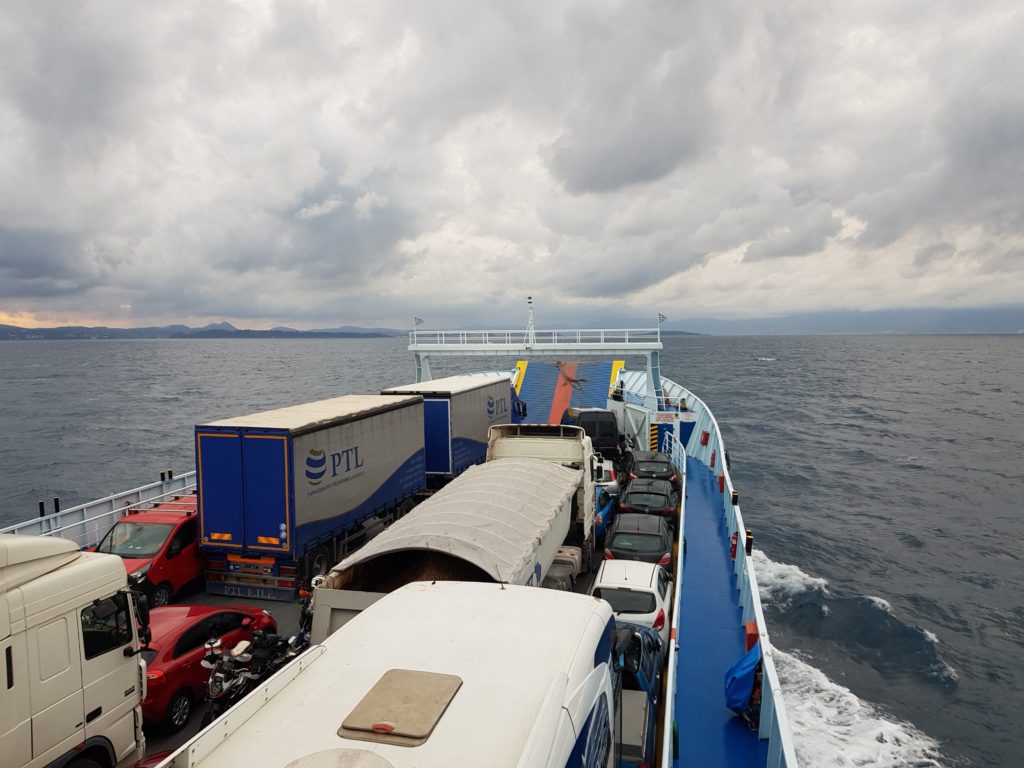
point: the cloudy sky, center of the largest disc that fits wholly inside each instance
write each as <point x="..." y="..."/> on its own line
<point x="315" y="164"/>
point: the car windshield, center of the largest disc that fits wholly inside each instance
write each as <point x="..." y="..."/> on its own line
<point x="645" y="500"/>
<point x="626" y="600"/>
<point x="129" y="539"/>
<point x="653" y="468"/>
<point x="636" y="542"/>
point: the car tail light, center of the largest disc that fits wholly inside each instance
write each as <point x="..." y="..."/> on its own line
<point x="217" y="565"/>
<point x="659" y="622"/>
<point x="286" y="582"/>
<point x="632" y="475"/>
<point x="608" y="555"/>
<point x="625" y="508"/>
<point x="154" y="677"/>
<point x="665" y="559"/>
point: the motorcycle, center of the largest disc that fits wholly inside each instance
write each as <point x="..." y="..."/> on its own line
<point x="299" y="642"/>
<point x="234" y="673"/>
<point x="229" y="679"/>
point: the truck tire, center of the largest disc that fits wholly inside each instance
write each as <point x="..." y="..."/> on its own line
<point x="588" y="555"/>
<point x="319" y="561"/>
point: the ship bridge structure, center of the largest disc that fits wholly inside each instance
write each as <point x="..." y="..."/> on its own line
<point x="551" y="387"/>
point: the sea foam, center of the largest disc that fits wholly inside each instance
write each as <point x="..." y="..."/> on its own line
<point x="832" y="727"/>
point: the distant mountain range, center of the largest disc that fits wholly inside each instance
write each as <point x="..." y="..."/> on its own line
<point x="212" y="331"/>
<point x="886" y="321"/>
<point x="891" y="321"/>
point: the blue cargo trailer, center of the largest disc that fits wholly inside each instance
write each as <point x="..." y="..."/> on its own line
<point x="457" y="412"/>
<point x="283" y="494"/>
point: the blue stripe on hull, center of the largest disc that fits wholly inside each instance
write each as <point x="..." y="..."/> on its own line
<point x="711" y="638"/>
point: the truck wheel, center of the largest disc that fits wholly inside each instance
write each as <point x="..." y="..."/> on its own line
<point x="178" y="711"/>
<point x="319" y="561"/>
<point x="161" y="595"/>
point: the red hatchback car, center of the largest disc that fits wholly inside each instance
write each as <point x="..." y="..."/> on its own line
<point x="174" y="677"/>
<point x="159" y="547"/>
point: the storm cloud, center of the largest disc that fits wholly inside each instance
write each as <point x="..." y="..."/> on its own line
<point x="316" y="164"/>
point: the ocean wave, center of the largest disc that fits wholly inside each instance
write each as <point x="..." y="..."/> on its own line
<point x="831" y="726"/>
<point x="780" y="583"/>
<point x="865" y="626"/>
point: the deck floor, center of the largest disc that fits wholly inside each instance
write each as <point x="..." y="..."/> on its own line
<point x="711" y="638"/>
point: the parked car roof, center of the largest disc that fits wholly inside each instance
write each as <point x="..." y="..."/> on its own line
<point x="651" y="485"/>
<point x="626" y="572"/>
<point x="638" y="521"/>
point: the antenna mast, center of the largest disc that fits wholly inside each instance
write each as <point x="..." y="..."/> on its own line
<point x="531" y="335"/>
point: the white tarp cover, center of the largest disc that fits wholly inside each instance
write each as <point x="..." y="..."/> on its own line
<point x="306" y="416"/>
<point x="494" y="515"/>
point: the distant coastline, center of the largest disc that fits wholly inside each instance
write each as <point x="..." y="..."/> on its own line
<point x="221" y="331"/>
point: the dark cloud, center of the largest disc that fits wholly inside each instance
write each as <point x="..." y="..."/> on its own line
<point x="807" y="231"/>
<point x="44" y="264"/>
<point x="933" y="252"/>
<point x="320" y="164"/>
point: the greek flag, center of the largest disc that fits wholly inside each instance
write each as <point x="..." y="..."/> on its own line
<point x="661" y="318"/>
<point x="417" y="320"/>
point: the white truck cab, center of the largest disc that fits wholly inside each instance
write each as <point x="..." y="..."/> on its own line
<point x="71" y="676"/>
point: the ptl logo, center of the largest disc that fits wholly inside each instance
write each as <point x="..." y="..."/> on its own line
<point x="496" y="407"/>
<point x="341" y="462"/>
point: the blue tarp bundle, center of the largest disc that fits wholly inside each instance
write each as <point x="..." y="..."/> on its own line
<point x="739" y="680"/>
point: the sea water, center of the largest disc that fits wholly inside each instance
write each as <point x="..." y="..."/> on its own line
<point x="882" y="477"/>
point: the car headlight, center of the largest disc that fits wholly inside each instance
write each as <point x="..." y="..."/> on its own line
<point x="140" y="574"/>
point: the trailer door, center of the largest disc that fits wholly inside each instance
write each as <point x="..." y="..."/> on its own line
<point x="266" y="491"/>
<point x="219" y="461"/>
<point x="437" y="436"/>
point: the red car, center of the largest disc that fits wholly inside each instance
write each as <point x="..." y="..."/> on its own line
<point x="174" y="677"/>
<point x="159" y="548"/>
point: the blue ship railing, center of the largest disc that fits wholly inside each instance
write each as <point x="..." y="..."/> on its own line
<point x="87" y="523"/>
<point x="774" y="724"/>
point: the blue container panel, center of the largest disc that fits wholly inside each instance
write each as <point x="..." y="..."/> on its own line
<point x="219" y="467"/>
<point x="267" y="492"/>
<point x="466" y="453"/>
<point x="437" y="436"/>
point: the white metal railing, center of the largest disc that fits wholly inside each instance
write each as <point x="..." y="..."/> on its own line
<point x="774" y="724"/>
<point x="87" y="523"/>
<point x="518" y="339"/>
<point x="200" y="746"/>
<point x="675" y="449"/>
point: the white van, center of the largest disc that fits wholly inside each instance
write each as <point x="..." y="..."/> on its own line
<point x="436" y="675"/>
<point x="72" y="676"/>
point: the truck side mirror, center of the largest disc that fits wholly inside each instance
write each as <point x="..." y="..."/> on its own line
<point x="142" y="609"/>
